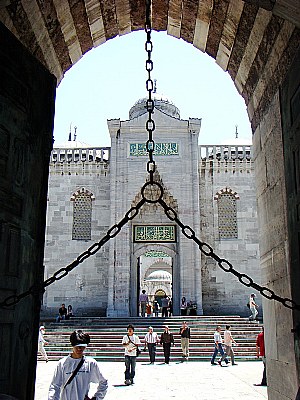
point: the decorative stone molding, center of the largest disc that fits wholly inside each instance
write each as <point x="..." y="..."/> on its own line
<point x="226" y="191"/>
<point x="80" y="191"/>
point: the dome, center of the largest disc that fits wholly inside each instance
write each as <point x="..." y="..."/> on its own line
<point x="160" y="275"/>
<point x="72" y="144"/>
<point x="161" y="103"/>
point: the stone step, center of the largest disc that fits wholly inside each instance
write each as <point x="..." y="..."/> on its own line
<point x="106" y="336"/>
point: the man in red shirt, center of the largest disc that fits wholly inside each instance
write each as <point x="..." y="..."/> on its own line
<point x="260" y="352"/>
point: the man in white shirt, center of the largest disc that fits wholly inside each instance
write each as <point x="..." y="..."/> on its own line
<point x="253" y="307"/>
<point x="131" y="343"/>
<point x="228" y="343"/>
<point x="74" y="374"/>
<point x="218" y="348"/>
<point x="151" y="339"/>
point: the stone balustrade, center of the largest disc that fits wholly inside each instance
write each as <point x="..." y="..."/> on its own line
<point x="74" y="155"/>
<point x="225" y="152"/>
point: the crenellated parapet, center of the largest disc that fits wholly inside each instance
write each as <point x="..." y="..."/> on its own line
<point x="80" y="160"/>
<point x="226" y="158"/>
<point x="225" y="152"/>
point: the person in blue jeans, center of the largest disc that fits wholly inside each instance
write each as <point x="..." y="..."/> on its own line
<point x="218" y="348"/>
<point x="131" y="343"/>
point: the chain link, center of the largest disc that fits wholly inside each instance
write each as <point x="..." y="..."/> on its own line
<point x="186" y="230"/>
<point x="150" y="124"/>
<point x="225" y="265"/>
<point x="39" y="288"/>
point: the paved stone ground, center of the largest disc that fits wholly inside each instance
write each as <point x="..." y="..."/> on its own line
<point x="189" y="380"/>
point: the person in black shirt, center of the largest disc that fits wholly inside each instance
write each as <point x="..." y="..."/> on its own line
<point x="166" y="340"/>
<point x="62" y="312"/>
<point x="185" y="333"/>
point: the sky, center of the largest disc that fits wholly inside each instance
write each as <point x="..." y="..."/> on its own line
<point x="107" y="81"/>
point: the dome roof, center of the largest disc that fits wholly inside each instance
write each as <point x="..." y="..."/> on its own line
<point x="160" y="275"/>
<point x="161" y="103"/>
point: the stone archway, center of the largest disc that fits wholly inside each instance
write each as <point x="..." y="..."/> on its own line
<point x="258" y="44"/>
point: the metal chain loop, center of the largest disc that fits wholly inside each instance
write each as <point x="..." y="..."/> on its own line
<point x="171" y="214"/>
<point x="39" y="288"/>
<point x="226" y="266"/>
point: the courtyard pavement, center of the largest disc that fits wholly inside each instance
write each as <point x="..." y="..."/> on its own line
<point x="188" y="380"/>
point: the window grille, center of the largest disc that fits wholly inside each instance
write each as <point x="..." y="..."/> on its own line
<point x="227" y="215"/>
<point x="82" y="217"/>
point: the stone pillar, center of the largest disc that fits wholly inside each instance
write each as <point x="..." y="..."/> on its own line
<point x="290" y="117"/>
<point x="27" y="93"/>
<point x="274" y="250"/>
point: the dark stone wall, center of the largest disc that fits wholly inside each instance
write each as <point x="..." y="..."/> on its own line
<point x="27" y="92"/>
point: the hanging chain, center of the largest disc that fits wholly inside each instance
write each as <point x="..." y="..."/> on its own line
<point x="186" y="230"/>
<point x="150" y="124"/>
<point x="39" y="288"/>
<point x="205" y="248"/>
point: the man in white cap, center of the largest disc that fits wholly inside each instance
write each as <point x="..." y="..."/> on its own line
<point x="74" y="374"/>
<point x="42" y="342"/>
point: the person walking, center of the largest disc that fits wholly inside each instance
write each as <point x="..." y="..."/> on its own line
<point x="74" y="374"/>
<point x="164" y="306"/>
<point x="228" y="343"/>
<point x="185" y="336"/>
<point x="151" y="340"/>
<point x="166" y="340"/>
<point x="218" y="348"/>
<point x="260" y="352"/>
<point x="42" y="342"/>
<point x="143" y="302"/>
<point x="131" y="343"/>
<point x="253" y="307"/>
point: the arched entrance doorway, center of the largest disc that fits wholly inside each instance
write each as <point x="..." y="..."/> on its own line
<point x="156" y="271"/>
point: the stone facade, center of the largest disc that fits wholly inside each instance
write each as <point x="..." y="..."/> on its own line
<point x="195" y="180"/>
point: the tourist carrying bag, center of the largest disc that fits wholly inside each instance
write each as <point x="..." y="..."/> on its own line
<point x="138" y="351"/>
<point x="74" y="372"/>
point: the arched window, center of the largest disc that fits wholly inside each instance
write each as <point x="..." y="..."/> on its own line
<point x="82" y="214"/>
<point x="227" y="214"/>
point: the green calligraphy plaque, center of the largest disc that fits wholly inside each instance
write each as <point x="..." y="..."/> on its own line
<point x="160" y="149"/>
<point x="155" y="233"/>
<point x="156" y="254"/>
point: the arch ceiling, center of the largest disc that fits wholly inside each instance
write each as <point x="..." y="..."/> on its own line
<point x="254" y="40"/>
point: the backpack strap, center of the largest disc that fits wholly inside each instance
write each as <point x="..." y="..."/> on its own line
<point x="132" y="341"/>
<point x="74" y="372"/>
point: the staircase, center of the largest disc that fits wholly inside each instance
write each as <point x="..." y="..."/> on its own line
<point x="106" y="336"/>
